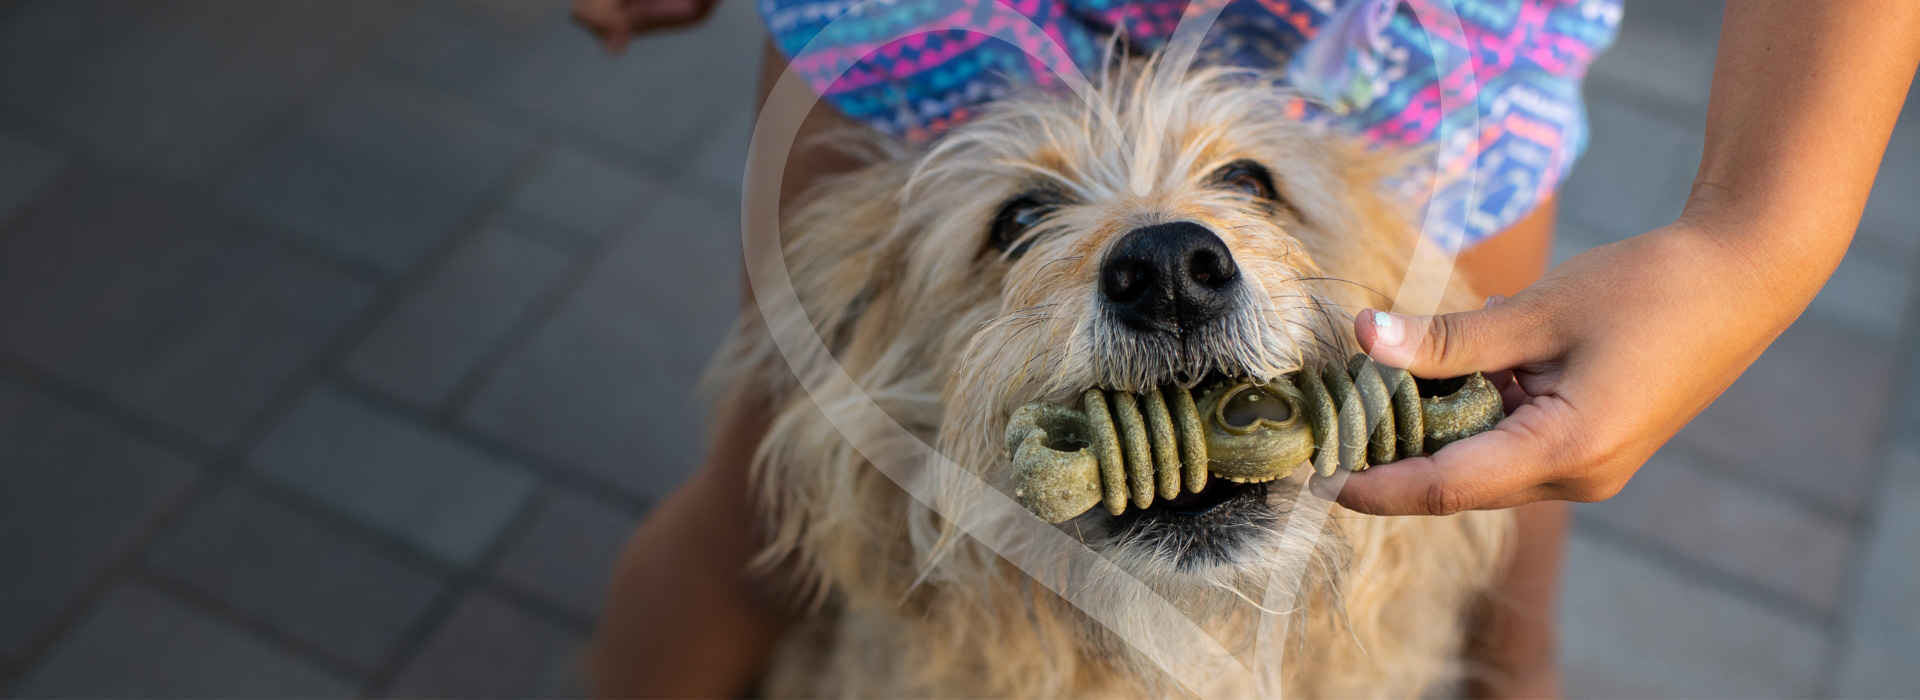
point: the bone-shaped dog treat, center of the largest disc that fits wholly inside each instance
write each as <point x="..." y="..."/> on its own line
<point x="1119" y="447"/>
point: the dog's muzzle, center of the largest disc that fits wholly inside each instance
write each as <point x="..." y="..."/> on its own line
<point x="1118" y="446"/>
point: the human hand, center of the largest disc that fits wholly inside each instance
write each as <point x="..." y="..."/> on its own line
<point x="1610" y="355"/>
<point x="616" y="21"/>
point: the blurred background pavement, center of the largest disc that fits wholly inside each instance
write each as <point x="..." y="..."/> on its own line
<point x="341" y="342"/>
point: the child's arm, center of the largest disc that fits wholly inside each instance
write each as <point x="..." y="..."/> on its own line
<point x="1622" y="345"/>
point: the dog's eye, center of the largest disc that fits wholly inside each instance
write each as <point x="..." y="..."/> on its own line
<point x="1015" y="218"/>
<point x="1249" y="178"/>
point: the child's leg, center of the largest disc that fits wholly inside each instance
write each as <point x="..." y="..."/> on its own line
<point x="1514" y="642"/>
<point x="1514" y="648"/>
<point x="1514" y="258"/>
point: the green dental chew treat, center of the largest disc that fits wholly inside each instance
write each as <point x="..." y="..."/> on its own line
<point x="1118" y="447"/>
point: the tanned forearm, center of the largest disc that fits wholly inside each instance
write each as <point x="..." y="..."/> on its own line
<point x="1805" y="96"/>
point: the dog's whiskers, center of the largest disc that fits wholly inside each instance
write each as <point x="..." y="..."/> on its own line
<point x="1370" y="290"/>
<point x="1070" y="258"/>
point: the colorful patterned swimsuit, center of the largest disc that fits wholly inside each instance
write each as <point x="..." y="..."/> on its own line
<point x="900" y="67"/>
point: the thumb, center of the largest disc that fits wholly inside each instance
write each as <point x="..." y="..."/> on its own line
<point x="1501" y="336"/>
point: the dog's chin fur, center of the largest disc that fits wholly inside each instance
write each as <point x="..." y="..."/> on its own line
<point x="948" y="335"/>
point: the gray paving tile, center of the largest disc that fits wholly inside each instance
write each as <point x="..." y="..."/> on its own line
<point x="576" y="193"/>
<point x="1726" y="525"/>
<point x="656" y="109"/>
<point x="643" y="100"/>
<point x="1868" y="293"/>
<point x="1698" y="20"/>
<point x="27" y="169"/>
<point x="379" y="174"/>
<point x="1887" y="574"/>
<point x="567" y="552"/>
<point x="1904" y="430"/>
<point x="168" y="312"/>
<point x="457" y="54"/>
<point x="1890" y="226"/>
<point x="1635" y="174"/>
<point x="508" y="18"/>
<point x="491" y="649"/>
<point x="39" y="38"/>
<point x="292" y="573"/>
<point x="186" y="85"/>
<point x="605" y="383"/>
<point x="1824" y="442"/>
<point x="721" y="162"/>
<point x="440" y="495"/>
<point x="1879" y="664"/>
<point x="1666" y="49"/>
<point x="447" y="324"/>
<point x="1632" y="628"/>
<point x="78" y="493"/>
<point x="139" y="642"/>
<point x="1570" y="238"/>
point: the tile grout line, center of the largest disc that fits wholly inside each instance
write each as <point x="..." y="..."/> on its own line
<point x="69" y="171"/>
<point x="520" y="119"/>
<point x="117" y="571"/>
<point x="442" y="572"/>
<point x="325" y="370"/>
<point x="225" y="467"/>
<point x="542" y="469"/>
<point x="458" y="589"/>
<point x="578" y="271"/>
<point x="219" y="464"/>
<point x="218" y="610"/>
<point x="1646" y="103"/>
<point x="219" y="468"/>
<point x="1713" y="578"/>
<point x="319" y="372"/>
<point x="1770" y="488"/>
<point x="345" y="525"/>
<point x="202" y="194"/>
<point x="222" y="173"/>
<point x="1902" y="413"/>
<point x="207" y="204"/>
<point x="1824" y="507"/>
<point x="539" y="605"/>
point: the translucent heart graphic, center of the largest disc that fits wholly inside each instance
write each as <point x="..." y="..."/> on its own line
<point x="1153" y="626"/>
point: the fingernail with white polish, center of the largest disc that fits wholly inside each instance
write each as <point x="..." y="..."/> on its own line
<point x="1387" y="330"/>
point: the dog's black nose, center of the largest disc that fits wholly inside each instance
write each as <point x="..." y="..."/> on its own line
<point x="1169" y="277"/>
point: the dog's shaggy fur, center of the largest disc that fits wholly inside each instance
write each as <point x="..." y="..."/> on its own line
<point x="949" y="334"/>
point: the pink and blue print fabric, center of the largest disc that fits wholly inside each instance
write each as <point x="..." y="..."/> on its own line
<point x="907" y="68"/>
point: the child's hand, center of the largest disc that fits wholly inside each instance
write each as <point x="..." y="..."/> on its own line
<point x="1618" y="348"/>
<point x="616" y="21"/>
<point x="1611" y="354"/>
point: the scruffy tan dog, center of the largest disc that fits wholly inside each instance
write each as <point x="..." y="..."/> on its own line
<point x="1044" y="249"/>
